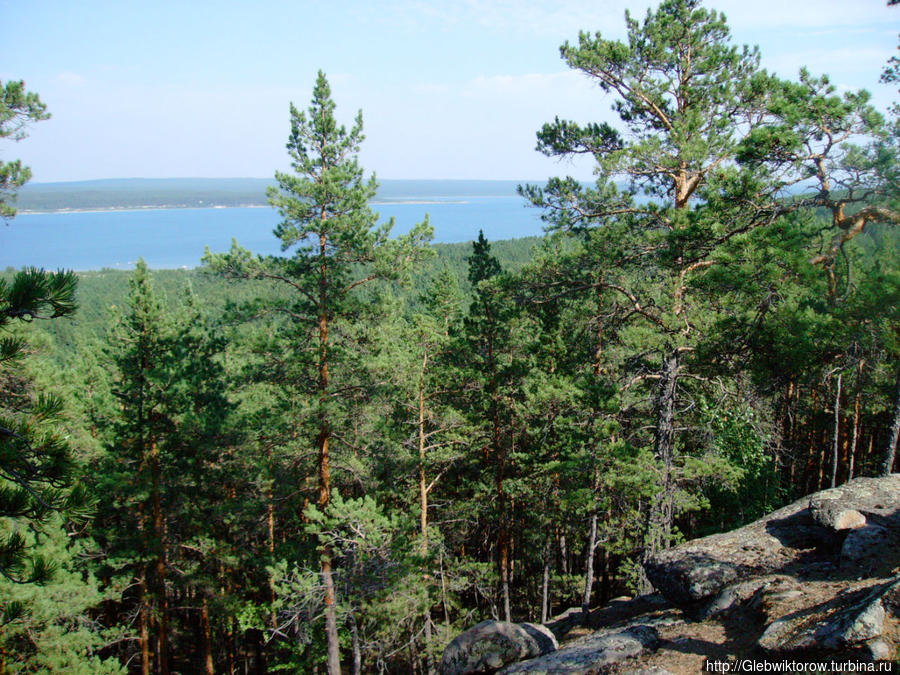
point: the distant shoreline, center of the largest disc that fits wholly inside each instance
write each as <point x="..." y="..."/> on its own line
<point x="169" y="207"/>
<point x="125" y="209"/>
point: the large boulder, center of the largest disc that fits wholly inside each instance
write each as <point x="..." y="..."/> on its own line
<point x="855" y="527"/>
<point x="591" y="654"/>
<point x="490" y="645"/>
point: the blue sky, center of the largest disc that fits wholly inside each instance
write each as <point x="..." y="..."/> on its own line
<point x="452" y="89"/>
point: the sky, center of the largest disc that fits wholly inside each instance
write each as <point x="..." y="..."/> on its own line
<point x="448" y="89"/>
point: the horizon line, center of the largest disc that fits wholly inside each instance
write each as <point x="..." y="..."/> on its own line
<point x="272" y="178"/>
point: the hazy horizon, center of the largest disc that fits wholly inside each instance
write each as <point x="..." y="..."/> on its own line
<point x="454" y="91"/>
<point x="380" y="179"/>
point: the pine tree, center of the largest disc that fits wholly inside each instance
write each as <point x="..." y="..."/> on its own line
<point x="18" y="108"/>
<point x="61" y="631"/>
<point x="161" y="475"/>
<point x="423" y="434"/>
<point x="337" y="248"/>
<point x="36" y="465"/>
<point x="490" y="370"/>
<point x="707" y="145"/>
<point x="683" y="95"/>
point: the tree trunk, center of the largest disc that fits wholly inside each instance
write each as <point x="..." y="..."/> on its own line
<point x="837" y="430"/>
<point x="545" y="591"/>
<point x="499" y="460"/>
<point x="814" y="481"/>
<point x="261" y="665"/>
<point x="229" y="646"/>
<point x="855" y="442"/>
<point x="270" y="519"/>
<point x="207" y="637"/>
<point x="444" y="590"/>
<point x="786" y="419"/>
<point x="563" y="554"/>
<point x="787" y="435"/>
<point x="823" y="456"/>
<point x="331" y="631"/>
<point x="429" y="666"/>
<point x="423" y="488"/>
<point x="605" y="581"/>
<point x="357" y="654"/>
<point x="423" y="503"/>
<point x="144" y="619"/>
<point x="160" y="536"/>
<point x="504" y="572"/>
<point x="589" y="564"/>
<point x="661" y="514"/>
<point x="890" y="449"/>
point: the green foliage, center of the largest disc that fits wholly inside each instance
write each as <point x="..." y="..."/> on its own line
<point x="382" y="591"/>
<point x="312" y="367"/>
<point x="161" y="474"/>
<point x="746" y="485"/>
<point x="35" y="458"/>
<point x="36" y="468"/>
<point x="18" y="109"/>
<point x="55" y="632"/>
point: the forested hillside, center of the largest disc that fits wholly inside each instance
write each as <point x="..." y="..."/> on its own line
<point x="336" y="459"/>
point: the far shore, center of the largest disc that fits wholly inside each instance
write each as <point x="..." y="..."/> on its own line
<point x="125" y="209"/>
<point x="165" y="207"/>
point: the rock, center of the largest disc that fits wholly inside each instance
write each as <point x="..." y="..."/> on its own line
<point x="871" y="550"/>
<point x="624" y="610"/>
<point x="866" y="496"/>
<point x="692" y="577"/>
<point x="731" y="597"/>
<point x="591" y="654"/>
<point x="879" y="650"/>
<point x="847" y="620"/>
<point x="791" y="541"/>
<point x="827" y="512"/>
<point x="777" y="598"/>
<point x="563" y="623"/>
<point x="490" y="645"/>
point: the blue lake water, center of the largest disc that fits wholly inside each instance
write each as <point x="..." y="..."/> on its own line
<point x="172" y="238"/>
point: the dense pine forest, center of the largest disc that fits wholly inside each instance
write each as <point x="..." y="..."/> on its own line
<point x="337" y="459"/>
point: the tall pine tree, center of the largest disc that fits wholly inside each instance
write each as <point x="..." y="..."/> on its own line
<point x="336" y="248"/>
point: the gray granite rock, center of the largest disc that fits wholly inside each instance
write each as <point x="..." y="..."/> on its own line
<point x="490" y="645"/>
<point x="591" y="654"/>
<point x="872" y="549"/>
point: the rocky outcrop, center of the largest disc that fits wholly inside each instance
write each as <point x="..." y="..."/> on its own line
<point x="490" y="645"/>
<point x="860" y="519"/>
<point x="816" y="580"/>
<point x="819" y="578"/>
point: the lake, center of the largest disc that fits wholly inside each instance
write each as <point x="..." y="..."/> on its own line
<point x="173" y="238"/>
